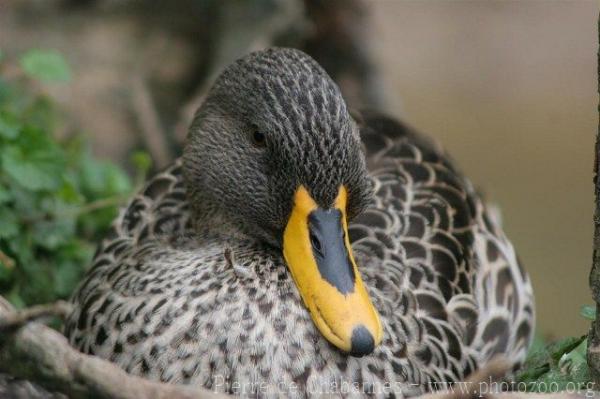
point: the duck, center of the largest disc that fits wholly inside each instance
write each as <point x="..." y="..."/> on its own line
<point x="298" y="248"/>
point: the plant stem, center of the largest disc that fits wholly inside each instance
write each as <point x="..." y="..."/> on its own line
<point x="94" y="205"/>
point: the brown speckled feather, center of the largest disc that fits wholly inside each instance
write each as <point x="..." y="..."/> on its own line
<point x="213" y="307"/>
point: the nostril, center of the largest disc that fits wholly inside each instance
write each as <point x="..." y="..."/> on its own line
<point x="362" y="342"/>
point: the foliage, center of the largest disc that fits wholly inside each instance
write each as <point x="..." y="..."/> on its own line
<point x="47" y="66"/>
<point x="56" y="199"/>
<point x="588" y="312"/>
<point x="558" y="366"/>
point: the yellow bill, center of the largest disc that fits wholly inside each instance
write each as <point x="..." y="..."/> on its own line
<point x="317" y="250"/>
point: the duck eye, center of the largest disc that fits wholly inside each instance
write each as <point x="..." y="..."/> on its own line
<point x="258" y="138"/>
<point x="316" y="244"/>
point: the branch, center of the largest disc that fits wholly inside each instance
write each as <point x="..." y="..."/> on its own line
<point x="593" y="352"/>
<point x="11" y="320"/>
<point x="38" y="353"/>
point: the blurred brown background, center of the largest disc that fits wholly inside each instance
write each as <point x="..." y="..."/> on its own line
<point x="508" y="87"/>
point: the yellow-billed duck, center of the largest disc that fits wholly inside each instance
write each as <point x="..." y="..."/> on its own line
<point x="295" y="249"/>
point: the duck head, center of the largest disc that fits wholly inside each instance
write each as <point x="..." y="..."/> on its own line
<point x="274" y="149"/>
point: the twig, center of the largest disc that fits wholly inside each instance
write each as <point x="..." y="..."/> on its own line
<point x="38" y="353"/>
<point x="17" y="319"/>
<point x="94" y="205"/>
<point x="149" y="122"/>
<point x="76" y="211"/>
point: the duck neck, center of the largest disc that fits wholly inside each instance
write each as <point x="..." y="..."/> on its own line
<point x="210" y="220"/>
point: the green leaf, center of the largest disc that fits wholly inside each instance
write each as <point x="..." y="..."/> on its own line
<point x="531" y="374"/>
<point x="4" y="195"/>
<point x="52" y="234"/>
<point x="41" y="114"/>
<point x="66" y="276"/>
<point x="559" y="364"/>
<point x="31" y="173"/>
<point x="102" y="179"/>
<point x="24" y="203"/>
<point x="68" y="192"/>
<point x="5" y="273"/>
<point x="9" y="224"/>
<point x="574" y="364"/>
<point x="9" y="126"/>
<point x="21" y="247"/>
<point x="34" y="161"/>
<point x="38" y="284"/>
<point x="15" y="299"/>
<point x="142" y="162"/>
<point x="92" y="178"/>
<point x="565" y="345"/>
<point x="5" y="92"/>
<point x="117" y="181"/>
<point x="588" y="312"/>
<point x="46" y="65"/>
